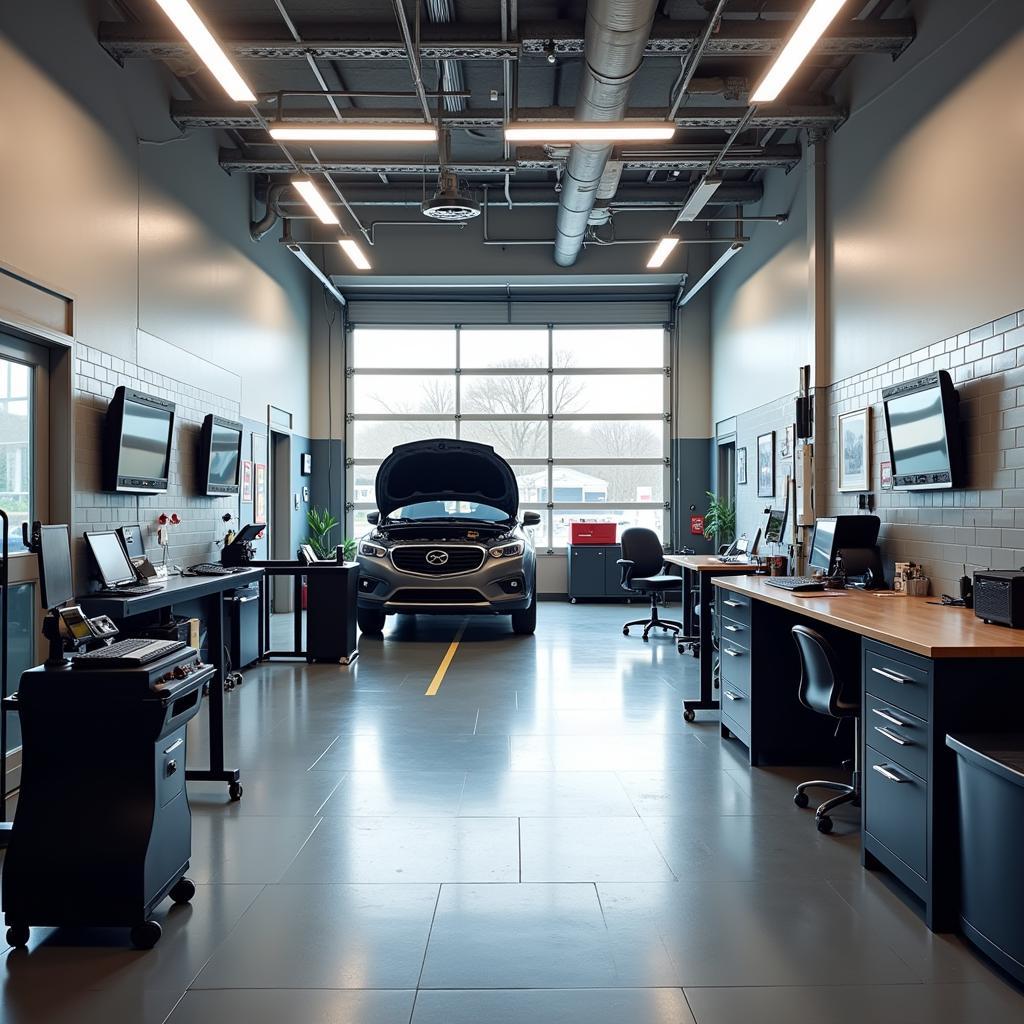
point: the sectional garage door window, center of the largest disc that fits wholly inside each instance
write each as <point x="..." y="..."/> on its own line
<point x="579" y="412"/>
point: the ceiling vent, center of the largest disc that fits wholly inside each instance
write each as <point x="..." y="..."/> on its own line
<point x="450" y="202"/>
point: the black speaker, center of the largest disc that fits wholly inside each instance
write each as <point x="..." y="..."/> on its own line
<point x="999" y="597"/>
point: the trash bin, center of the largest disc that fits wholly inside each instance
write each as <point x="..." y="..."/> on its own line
<point x="990" y="777"/>
<point x="331" y="611"/>
<point x="243" y="610"/>
<point x="103" y="830"/>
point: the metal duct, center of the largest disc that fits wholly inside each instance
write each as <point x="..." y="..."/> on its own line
<point x="616" y="34"/>
<point x="442" y="12"/>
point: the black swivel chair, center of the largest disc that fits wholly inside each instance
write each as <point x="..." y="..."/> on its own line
<point x="644" y="572"/>
<point x="822" y="689"/>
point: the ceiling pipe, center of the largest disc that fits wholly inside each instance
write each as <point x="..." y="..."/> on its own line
<point x="259" y="229"/>
<point x="615" y="37"/>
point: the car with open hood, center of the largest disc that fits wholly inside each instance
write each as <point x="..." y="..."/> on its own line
<point x="447" y="537"/>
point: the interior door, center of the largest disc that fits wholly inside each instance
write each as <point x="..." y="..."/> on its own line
<point x="24" y="495"/>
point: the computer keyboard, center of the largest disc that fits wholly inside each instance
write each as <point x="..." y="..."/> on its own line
<point x="798" y="584"/>
<point x="134" y="651"/>
<point x="207" y="569"/>
<point x="131" y="591"/>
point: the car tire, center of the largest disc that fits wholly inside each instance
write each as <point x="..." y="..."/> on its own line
<point x="524" y="623"/>
<point x="370" y="620"/>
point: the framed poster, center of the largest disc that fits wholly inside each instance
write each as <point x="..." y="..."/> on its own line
<point x="259" y="513"/>
<point x="786" y="445"/>
<point x="741" y="465"/>
<point x="305" y="464"/>
<point x="766" y="465"/>
<point x="886" y="473"/>
<point x="246" y="480"/>
<point x="854" y="433"/>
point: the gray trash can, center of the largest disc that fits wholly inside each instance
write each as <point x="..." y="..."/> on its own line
<point x="990" y="777"/>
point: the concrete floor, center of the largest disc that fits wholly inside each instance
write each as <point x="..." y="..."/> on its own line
<point x="545" y="840"/>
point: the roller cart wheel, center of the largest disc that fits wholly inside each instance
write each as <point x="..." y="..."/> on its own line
<point x="625" y="630"/>
<point x="146" y="935"/>
<point x="824" y="824"/>
<point x="17" y="936"/>
<point x="183" y="890"/>
<point x="235" y="791"/>
<point x="689" y="715"/>
<point x="801" y="799"/>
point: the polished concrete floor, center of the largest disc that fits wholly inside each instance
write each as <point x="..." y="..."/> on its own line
<point x="544" y="840"/>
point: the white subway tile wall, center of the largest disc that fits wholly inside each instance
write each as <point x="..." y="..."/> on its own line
<point x="97" y="374"/>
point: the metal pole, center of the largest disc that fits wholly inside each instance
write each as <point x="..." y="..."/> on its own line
<point x="412" y="53"/>
<point x="694" y="58"/>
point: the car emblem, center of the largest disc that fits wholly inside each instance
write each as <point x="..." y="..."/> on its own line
<point x="437" y="557"/>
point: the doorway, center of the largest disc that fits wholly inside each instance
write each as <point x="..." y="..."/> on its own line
<point x="280" y="505"/>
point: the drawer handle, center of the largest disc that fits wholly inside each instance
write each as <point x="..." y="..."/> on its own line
<point x="732" y="604"/>
<point x="731" y="652"/>
<point x="893" y="677"/>
<point x="174" y="746"/>
<point x="733" y="629"/>
<point x="889" y="718"/>
<point x="733" y="696"/>
<point x="889" y="735"/>
<point x="886" y="773"/>
<point x="172" y="767"/>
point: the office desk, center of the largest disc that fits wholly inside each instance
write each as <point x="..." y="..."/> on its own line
<point x="924" y="670"/>
<point x="704" y="568"/>
<point x="179" y="589"/>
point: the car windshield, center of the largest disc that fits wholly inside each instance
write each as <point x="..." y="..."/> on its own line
<point x="450" y="510"/>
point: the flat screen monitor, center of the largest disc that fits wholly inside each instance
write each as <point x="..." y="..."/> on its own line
<point x="922" y="424"/>
<point x="775" y="526"/>
<point x="822" y="544"/>
<point x="131" y="537"/>
<point x="56" y="584"/>
<point x="139" y="432"/>
<point x="247" y="534"/>
<point x="111" y="558"/>
<point x="220" y="456"/>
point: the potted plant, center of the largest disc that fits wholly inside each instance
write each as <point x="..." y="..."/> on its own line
<point x="321" y="524"/>
<point x="720" y="520"/>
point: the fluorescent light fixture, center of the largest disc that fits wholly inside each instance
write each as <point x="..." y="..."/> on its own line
<point x="316" y="202"/>
<point x="807" y="32"/>
<point x="699" y="197"/>
<point x="661" y="251"/>
<point x="350" y="131"/>
<point x="354" y="253"/>
<point x="589" y="131"/>
<point x="711" y="271"/>
<point x="301" y="256"/>
<point x="208" y="50"/>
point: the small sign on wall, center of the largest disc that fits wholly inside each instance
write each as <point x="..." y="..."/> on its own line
<point x="260" y="497"/>
<point x="246" y="480"/>
<point x="697" y="526"/>
<point x="886" y="475"/>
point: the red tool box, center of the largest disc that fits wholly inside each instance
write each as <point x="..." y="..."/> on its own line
<point x="592" y="533"/>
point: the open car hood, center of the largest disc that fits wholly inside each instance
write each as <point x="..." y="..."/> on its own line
<point x="443" y="469"/>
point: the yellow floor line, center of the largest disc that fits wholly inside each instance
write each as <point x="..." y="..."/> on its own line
<point x="435" y="683"/>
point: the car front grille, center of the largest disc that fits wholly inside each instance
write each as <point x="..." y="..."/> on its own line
<point x="429" y="595"/>
<point x="437" y="560"/>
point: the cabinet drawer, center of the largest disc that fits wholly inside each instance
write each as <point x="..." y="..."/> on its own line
<point x="735" y="665"/>
<point x="733" y="631"/>
<point x="735" y="709"/>
<point x="170" y="766"/>
<point x="735" y="606"/>
<point x="899" y="679"/>
<point x="902" y="737"/>
<point x="896" y="809"/>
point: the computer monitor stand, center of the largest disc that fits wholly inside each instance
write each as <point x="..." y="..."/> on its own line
<point x="51" y="630"/>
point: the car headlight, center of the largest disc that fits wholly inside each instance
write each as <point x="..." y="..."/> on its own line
<point x="375" y="550"/>
<point x="510" y="550"/>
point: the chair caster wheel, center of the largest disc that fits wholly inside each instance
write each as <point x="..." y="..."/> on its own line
<point x="824" y="824"/>
<point x="17" y="936"/>
<point x="646" y="638"/>
<point x="689" y="715"/>
<point x="146" y="935"/>
<point x="801" y="799"/>
<point x="183" y="890"/>
<point x="625" y="630"/>
<point x="235" y="791"/>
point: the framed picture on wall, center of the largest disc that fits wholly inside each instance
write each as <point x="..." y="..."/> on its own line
<point x="260" y="497"/>
<point x="246" y="480"/>
<point x="305" y="464"/>
<point x="885" y="469"/>
<point x="854" y="435"/>
<point x="786" y="444"/>
<point x="766" y="465"/>
<point x="741" y="465"/>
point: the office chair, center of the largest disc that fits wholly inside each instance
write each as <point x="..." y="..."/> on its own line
<point x="822" y="689"/>
<point x="644" y="572"/>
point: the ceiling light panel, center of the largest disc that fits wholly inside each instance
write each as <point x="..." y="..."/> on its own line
<point x="589" y="131"/>
<point x="207" y="49"/>
<point x="354" y="253"/>
<point x="353" y="132"/>
<point x="699" y="198"/>
<point x="315" y="201"/>
<point x="662" y="252"/>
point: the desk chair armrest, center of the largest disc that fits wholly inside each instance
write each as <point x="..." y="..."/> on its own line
<point x="626" y="572"/>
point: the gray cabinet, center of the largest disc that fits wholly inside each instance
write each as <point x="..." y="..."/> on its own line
<point x="589" y="571"/>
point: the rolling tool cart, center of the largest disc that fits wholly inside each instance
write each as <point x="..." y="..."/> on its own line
<point x="103" y="831"/>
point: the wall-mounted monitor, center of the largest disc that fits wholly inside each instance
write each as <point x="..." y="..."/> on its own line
<point x="220" y="456"/>
<point x="922" y="422"/>
<point x="137" y="443"/>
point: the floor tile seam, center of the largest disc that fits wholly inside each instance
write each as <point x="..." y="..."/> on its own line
<point x="426" y="950"/>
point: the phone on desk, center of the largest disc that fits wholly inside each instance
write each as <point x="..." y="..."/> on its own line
<point x="145" y="570"/>
<point x="79" y="627"/>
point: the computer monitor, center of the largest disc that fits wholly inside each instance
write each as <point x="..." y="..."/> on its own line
<point x="131" y="537"/>
<point x="111" y="559"/>
<point x="249" y="533"/>
<point x="822" y="544"/>
<point x="56" y="584"/>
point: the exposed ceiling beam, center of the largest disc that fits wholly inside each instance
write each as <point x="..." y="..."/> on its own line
<point x="682" y="158"/>
<point x="334" y="41"/>
<point x="193" y="114"/>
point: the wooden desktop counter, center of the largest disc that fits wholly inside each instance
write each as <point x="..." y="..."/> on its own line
<point x="923" y="670"/>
